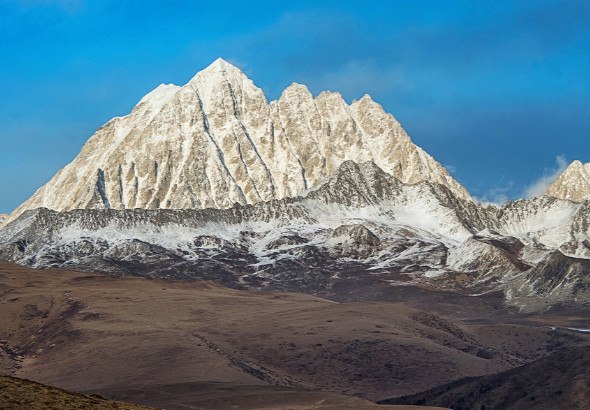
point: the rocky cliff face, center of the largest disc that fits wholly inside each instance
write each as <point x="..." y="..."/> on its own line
<point x="216" y="141"/>
<point x="573" y="184"/>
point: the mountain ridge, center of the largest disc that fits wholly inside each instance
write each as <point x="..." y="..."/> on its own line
<point x="360" y="222"/>
<point x="212" y="181"/>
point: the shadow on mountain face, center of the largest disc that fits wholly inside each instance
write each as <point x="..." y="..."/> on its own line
<point x="558" y="381"/>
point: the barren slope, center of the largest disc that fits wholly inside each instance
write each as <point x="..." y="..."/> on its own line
<point x="92" y="332"/>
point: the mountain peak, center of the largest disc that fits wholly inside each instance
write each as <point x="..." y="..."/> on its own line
<point x="367" y="101"/>
<point x="296" y="88"/>
<point x="218" y="72"/>
<point x="220" y="66"/>
<point x="160" y="94"/>
<point x="575" y="166"/>
<point x="366" y="97"/>
<point x="573" y="184"/>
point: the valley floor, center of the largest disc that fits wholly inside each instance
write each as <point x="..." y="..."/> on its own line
<point x="151" y="341"/>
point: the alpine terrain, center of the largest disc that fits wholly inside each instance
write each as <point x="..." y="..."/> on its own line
<point x="304" y="245"/>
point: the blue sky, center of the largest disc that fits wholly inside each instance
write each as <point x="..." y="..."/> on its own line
<point x="496" y="91"/>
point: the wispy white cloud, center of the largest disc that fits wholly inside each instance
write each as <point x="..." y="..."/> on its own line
<point x="497" y="195"/>
<point x="500" y="194"/>
<point x="539" y="187"/>
<point x="356" y="78"/>
<point x="451" y="168"/>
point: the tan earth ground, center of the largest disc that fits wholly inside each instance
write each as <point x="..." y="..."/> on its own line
<point x="168" y="344"/>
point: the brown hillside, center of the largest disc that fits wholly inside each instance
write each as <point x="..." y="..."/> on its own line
<point x="92" y="333"/>
<point x="21" y="394"/>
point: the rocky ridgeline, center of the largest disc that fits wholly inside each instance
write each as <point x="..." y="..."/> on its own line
<point x="359" y="225"/>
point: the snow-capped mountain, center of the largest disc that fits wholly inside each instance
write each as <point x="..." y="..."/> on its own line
<point x="216" y="141"/>
<point x="573" y="183"/>
<point x="3" y="217"/>
<point x="358" y="225"/>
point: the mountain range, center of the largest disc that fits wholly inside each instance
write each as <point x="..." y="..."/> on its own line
<point x="211" y="181"/>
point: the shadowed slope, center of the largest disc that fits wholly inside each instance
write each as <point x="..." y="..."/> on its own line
<point x="559" y="381"/>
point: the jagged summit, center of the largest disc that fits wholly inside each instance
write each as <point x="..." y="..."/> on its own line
<point x="220" y="71"/>
<point x="297" y="88"/>
<point x="220" y="67"/>
<point x="573" y="184"/>
<point x="220" y="63"/>
<point x="365" y="97"/>
<point x="217" y="140"/>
